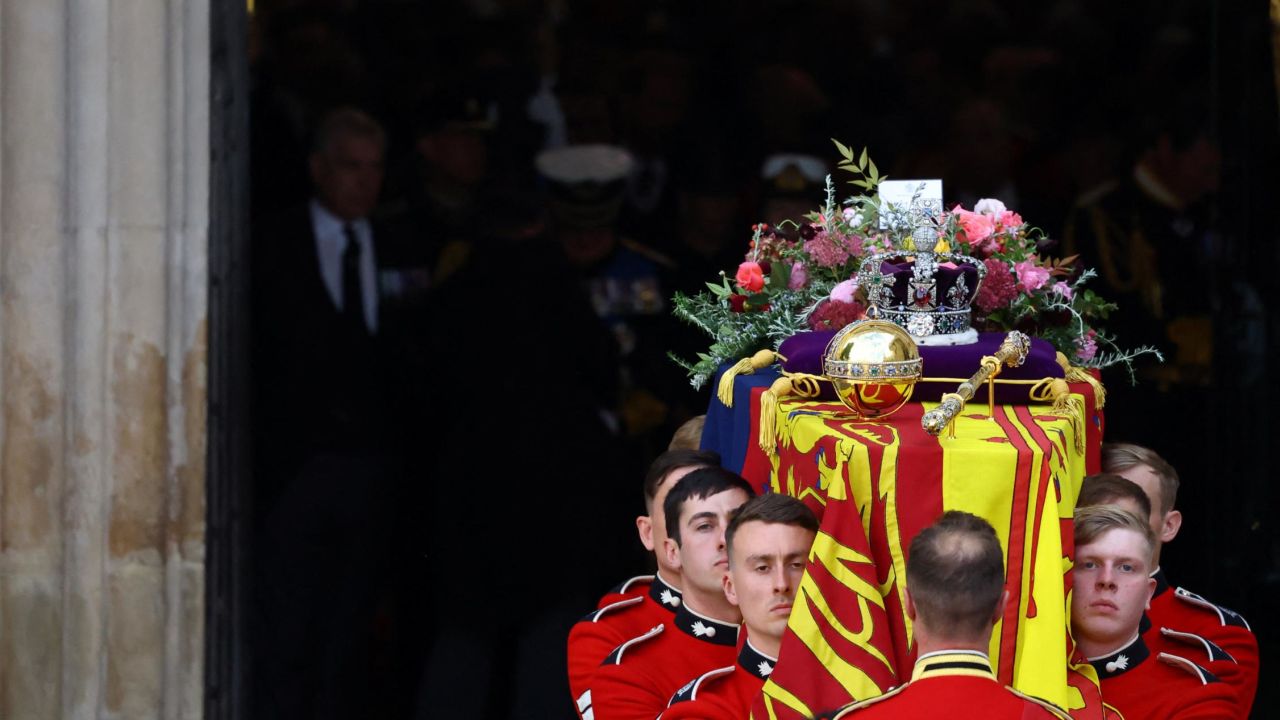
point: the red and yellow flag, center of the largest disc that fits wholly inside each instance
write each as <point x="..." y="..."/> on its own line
<point x="874" y="486"/>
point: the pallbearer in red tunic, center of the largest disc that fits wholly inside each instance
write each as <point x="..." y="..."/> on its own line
<point x="638" y="679"/>
<point x="768" y="540"/>
<point x="1176" y="608"/>
<point x="643" y="602"/>
<point x="955" y="594"/>
<point x="1111" y="587"/>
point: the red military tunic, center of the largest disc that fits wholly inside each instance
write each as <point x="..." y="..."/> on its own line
<point x="596" y="635"/>
<point x="1143" y="686"/>
<point x="638" y="679"/>
<point x="1208" y="655"/>
<point x="952" y="684"/>
<point x="1184" y="611"/>
<point x="724" y="693"/>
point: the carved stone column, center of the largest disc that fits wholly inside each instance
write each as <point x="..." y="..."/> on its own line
<point x="104" y="159"/>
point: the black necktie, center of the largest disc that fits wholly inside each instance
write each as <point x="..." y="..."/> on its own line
<point x="352" y="297"/>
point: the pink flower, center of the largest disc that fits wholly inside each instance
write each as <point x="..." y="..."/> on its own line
<point x="976" y="226"/>
<point x="843" y="292"/>
<point x="750" y="276"/>
<point x="1031" y="277"/>
<point x="990" y="207"/>
<point x="834" y="314"/>
<point x="799" y="276"/>
<point x="1009" y="220"/>
<point x="998" y="289"/>
<point x="1087" y="345"/>
<point x="831" y="249"/>
<point x="1064" y="290"/>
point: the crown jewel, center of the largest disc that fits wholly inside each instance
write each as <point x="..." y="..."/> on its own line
<point x="921" y="285"/>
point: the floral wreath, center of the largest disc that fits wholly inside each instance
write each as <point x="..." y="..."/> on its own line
<point x="803" y="276"/>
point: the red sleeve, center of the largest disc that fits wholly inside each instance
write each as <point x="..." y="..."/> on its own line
<point x="589" y="643"/>
<point x="622" y="692"/>
<point x="1242" y="645"/>
<point x="1214" y="701"/>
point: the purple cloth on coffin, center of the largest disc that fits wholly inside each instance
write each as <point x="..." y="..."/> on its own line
<point x="804" y="352"/>
<point x="945" y="277"/>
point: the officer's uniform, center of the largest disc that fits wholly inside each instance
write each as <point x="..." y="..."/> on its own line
<point x="636" y="681"/>
<point x="1183" y="611"/>
<point x="1143" y="685"/>
<point x="622" y="615"/>
<point x="724" y="693"/>
<point x="952" y="684"/>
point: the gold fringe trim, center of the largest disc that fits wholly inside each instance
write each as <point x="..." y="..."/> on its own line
<point x="745" y="366"/>
<point x="1078" y="374"/>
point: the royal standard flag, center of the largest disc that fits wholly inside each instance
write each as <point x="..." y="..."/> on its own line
<point x="875" y="485"/>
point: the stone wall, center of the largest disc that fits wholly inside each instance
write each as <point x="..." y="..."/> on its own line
<point x="104" y="177"/>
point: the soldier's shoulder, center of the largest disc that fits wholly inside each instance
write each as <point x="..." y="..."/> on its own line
<point x="1226" y="616"/>
<point x="627" y="649"/>
<point x="1048" y="707"/>
<point x="857" y="705"/>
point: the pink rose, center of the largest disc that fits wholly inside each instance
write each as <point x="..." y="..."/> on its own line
<point x="1031" y="277"/>
<point x="990" y="207"/>
<point x="799" y="276"/>
<point x="1010" y="220"/>
<point x="843" y="292"/>
<point x="750" y="277"/>
<point x="1064" y="290"/>
<point x="976" y="226"/>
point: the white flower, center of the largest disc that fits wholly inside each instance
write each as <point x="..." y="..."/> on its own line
<point x="990" y="207"/>
<point x="852" y="217"/>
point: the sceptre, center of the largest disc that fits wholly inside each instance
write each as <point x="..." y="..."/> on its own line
<point x="1012" y="353"/>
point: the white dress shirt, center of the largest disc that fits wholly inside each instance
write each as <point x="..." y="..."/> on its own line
<point x="331" y="241"/>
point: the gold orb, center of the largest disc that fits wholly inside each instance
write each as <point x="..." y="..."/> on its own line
<point x="874" y="365"/>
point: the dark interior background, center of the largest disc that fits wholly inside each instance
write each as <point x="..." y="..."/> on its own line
<point x="501" y="504"/>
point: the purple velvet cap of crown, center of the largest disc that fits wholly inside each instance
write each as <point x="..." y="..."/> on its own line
<point x="803" y="352"/>
<point x="946" y="276"/>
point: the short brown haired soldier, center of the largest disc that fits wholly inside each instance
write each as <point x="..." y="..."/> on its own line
<point x="641" y="602"/>
<point x="1111" y="489"/>
<point x="768" y="540"/>
<point x="1111" y="586"/>
<point x="1180" y="620"/>
<point x="637" y="679"/>
<point x="955" y="593"/>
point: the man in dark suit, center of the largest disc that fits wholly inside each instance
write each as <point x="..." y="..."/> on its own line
<point x="324" y="436"/>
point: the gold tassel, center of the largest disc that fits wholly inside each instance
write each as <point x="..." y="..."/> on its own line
<point x="768" y="437"/>
<point x="1079" y="374"/>
<point x="1070" y="406"/>
<point x="745" y="366"/>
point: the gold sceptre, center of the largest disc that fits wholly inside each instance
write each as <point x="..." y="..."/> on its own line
<point x="1012" y="353"/>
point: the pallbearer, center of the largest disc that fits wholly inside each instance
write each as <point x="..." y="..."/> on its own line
<point x="768" y="542"/>
<point x="1111" y="586"/>
<point x="1178" y="608"/>
<point x="639" y="677"/>
<point x="955" y="595"/>
<point x="642" y="602"/>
